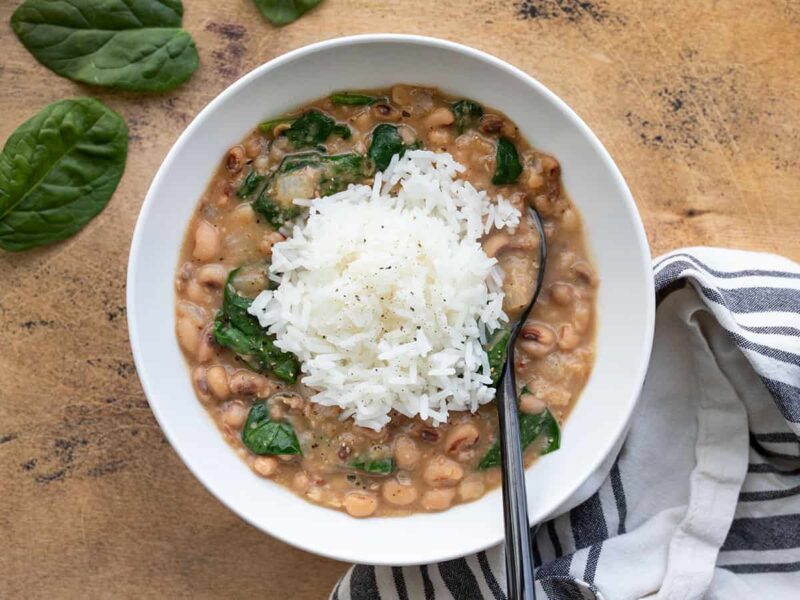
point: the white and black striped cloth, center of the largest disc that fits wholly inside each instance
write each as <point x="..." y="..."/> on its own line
<point x="703" y="498"/>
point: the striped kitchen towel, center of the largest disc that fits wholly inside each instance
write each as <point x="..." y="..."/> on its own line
<point x="703" y="498"/>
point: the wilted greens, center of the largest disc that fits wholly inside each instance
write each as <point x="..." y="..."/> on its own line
<point x="507" y="166"/>
<point x="238" y="330"/>
<point x="262" y="435"/>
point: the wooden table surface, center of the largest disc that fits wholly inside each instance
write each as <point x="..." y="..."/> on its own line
<point x="697" y="100"/>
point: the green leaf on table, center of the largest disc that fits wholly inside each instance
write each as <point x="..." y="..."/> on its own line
<point x="381" y="466"/>
<point x="238" y="330"/>
<point x="283" y="12"/>
<point x="531" y="427"/>
<point x="507" y="166"/>
<point x="58" y="170"/>
<point x="262" y="435"/>
<point x="466" y="114"/>
<point x="135" y="45"/>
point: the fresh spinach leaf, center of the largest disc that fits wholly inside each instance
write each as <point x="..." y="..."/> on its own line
<point x="135" y="45"/>
<point x="507" y="166"/>
<point x="240" y="331"/>
<point x="351" y="99"/>
<point x="283" y="12"/>
<point x="58" y="170"/>
<point x="303" y="175"/>
<point x="386" y="142"/>
<point x="249" y="185"/>
<point x="496" y="348"/>
<point x="262" y="435"/>
<point x="531" y="427"/>
<point x="466" y="113"/>
<point x="382" y="466"/>
<point x="313" y="128"/>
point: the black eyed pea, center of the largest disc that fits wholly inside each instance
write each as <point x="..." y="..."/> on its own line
<point x="472" y="487"/>
<point x="406" y="453"/>
<point x="188" y="335"/>
<point x="461" y="437"/>
<point x="442" y="472"/>
<point x="247" y="383"/>
<point x="360" y="504"/>
<point x="438" y="499"/>
<point x="439" y="137"/>
<point x="207" y="242"/>
<point x="212" y="275"/>
<point x="439" y="117"/>
<point x="395" y="492"/>
<point x="568" y="337"/>
<point x="562" y="294"/>
<point x="217" y="378"/>
<point x="200" y="383"/>
<point x="266" y="466"/>
<point x="206" y="348"/>
<point x="385" y="112"/>
<point x="235" y="159"/>
<point x="234" y="414"/>
<point x="531" y="405"/>
<point x="496" y="243"/>
<point x="536" y="339"/>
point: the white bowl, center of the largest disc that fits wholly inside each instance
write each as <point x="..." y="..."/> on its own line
<point x="616" y="238"/>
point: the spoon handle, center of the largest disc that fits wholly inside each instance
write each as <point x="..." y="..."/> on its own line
<point x="519" y="561"/>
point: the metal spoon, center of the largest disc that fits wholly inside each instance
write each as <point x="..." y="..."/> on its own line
<point x="519" y="560"/>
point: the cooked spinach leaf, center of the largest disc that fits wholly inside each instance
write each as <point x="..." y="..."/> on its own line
<point x="267" y="126"/>
<point x="313" y="128"/>
<point x="240" y="331"/>
<point x="135" y="45"/>
<point x="531" y="427"/>
<point x="386" y="142"/>
<point x="466" y="113"/>
<point x="496" y="348"/>
<point x="351" y="99"/>
<point x="507" y="166"/>
<point x="303" y="175"/>
<point x="58" y="170"/>
<point x="262" y="435"/>
<point x="283" y="12"/>
<point x="249" y="185"/>
<point x="382" y="466"/>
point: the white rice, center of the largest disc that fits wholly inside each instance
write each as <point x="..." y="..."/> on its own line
<point x="386" y="296"/>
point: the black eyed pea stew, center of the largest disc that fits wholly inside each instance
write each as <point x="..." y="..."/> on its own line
<point x="252" y="389"/>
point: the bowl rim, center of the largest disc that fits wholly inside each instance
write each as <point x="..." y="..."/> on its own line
<point x="149" y="386"/>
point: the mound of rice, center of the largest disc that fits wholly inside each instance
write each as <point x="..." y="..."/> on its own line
<point x="386" y="295"/>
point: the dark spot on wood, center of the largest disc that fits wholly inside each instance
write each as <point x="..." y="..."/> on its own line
<point x="107" y="468"/>
<point x="51" y="477"/>
<point x="228" y="59"/>
<point x="8" y="437"/>
<point x="696" y="212"/>
<point x="65" y="448"/>
<point x="116" y="312"/>
<point x="566" y="10"/>
<point x="29" y="465"/>
<point x="35" y="324"/>
<point x="125" y="369"/>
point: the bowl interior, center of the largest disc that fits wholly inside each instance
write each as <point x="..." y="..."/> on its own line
<point x="616" y="239"/>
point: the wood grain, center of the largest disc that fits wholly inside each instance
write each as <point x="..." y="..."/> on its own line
<point x="698" y="102"/>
